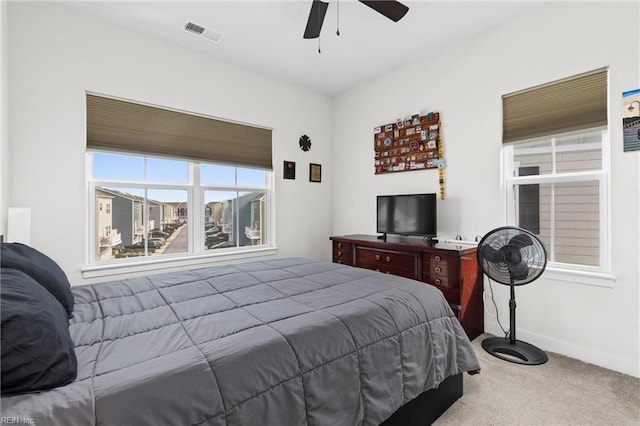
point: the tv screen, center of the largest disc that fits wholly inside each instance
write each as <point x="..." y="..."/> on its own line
<point x="413" y="214"/>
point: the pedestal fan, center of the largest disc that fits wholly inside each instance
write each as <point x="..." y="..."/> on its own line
<point x="512" y="256"/>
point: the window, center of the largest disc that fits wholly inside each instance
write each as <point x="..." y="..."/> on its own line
<point x="556" y="187"/>
<point x="165" y="198"/>
<point x="238" y="217"/>
<point x="163" y="207"/>
<point x="556" y="171"/>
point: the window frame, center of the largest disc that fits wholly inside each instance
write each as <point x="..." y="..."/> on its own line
<point x="197" y="253"/>
<point x="591" y="275"/>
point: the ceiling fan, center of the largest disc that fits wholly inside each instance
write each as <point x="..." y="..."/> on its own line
<point x="393" y="10"/>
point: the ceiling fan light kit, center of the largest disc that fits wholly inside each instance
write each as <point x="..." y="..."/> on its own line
<point x="512" y="256"/>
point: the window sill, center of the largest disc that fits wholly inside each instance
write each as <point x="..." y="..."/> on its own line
<point x="576" y="276"/>
<point x="156" y="264"/>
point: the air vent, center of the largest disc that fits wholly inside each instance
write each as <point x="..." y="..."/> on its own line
<point x="194" y="28"/>
<point x="202" y="32"/>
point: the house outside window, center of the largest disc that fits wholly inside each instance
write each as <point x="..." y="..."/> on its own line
<point x="555" y="169"/>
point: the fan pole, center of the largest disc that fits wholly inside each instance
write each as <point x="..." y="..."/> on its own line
<point x="512" y="314"/>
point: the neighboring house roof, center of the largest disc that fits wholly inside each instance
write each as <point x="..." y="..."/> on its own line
<point x="131" y="197"/>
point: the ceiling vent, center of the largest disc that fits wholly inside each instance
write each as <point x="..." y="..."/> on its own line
<point x="196" y="29"/>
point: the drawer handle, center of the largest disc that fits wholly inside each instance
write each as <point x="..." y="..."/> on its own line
<point x="438" y="269"/>
<point x="377" y="257"/>
<point x="339" y="253"/>
<point x="339" y="245"/>
<point x="388" y="259"/>
<point x="438" y="282"/>
<point x="437" y="258"/>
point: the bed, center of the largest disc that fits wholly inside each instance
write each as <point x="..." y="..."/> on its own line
<point x="279" y="342"/>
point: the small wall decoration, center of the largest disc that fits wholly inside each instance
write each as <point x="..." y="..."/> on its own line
<point x="289" y="170"/>
<point x="315" y="172"/>
<point x="631" y="120"/>
<point x="305" y="143"/>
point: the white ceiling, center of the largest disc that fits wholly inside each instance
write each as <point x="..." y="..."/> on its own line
<point x="266" y="35"/>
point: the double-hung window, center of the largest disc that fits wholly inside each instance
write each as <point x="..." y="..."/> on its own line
<point x="166" y="194"/>
<point x="556" y="172"/>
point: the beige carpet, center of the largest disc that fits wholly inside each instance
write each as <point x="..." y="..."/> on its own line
<point x="563" y="391"/>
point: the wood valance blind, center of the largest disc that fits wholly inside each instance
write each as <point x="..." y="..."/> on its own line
<point x="117" y="125"/>
<point x="574" y="103"/>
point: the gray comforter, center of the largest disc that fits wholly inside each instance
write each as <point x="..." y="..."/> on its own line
<point x="280" y="342"/>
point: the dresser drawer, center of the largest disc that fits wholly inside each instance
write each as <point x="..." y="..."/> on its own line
<point x="388" y="261"/>
<point x="342" y="253"/>
<point x="441" y="271"/>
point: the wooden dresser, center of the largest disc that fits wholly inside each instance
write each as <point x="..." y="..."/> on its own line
<point x="452" y="268"/>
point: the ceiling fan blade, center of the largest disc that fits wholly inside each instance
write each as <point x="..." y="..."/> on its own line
<point x="393" y="10"/>
<point x="316" y="18"/>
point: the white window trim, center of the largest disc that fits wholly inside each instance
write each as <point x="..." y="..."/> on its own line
<point x="601" y="276"/>
<point x="576" y="274"/>
<point x="195" y="256"/>
<point x="107" y="268"/>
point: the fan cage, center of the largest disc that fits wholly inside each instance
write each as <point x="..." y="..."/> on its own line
<point x="534" y="255"/>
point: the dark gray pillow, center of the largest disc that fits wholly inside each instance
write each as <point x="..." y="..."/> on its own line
<point x="41" y="268"/>
<point x="35" y="344"/>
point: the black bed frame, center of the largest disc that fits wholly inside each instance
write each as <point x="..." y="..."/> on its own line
<point x="429" y="405"/>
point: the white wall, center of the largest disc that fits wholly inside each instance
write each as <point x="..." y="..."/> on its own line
<point x="465" y="84"/>
<point x="56" y="55"/>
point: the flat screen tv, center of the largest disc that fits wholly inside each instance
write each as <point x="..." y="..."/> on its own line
<point x="410" y="214"/>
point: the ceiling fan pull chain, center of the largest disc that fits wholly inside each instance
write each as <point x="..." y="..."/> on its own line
<point x="319" y="51"/>
<point x="338" y="17"/>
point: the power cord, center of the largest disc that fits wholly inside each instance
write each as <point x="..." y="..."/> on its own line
<point x="506" y="333"/>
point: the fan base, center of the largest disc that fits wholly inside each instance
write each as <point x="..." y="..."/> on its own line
<point x="518" y="352"/>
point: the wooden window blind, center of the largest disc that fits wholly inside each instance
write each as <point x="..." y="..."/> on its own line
<point x="117" y="125"/>
<point x="574" y="103"/>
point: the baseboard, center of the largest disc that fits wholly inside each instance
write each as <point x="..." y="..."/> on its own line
<point x="602" y="359"/>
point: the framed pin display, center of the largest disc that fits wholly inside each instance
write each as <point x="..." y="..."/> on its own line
<point x="289" y="171"/>
<point x="409" y="144"/>
<point x="315" y="172"/>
